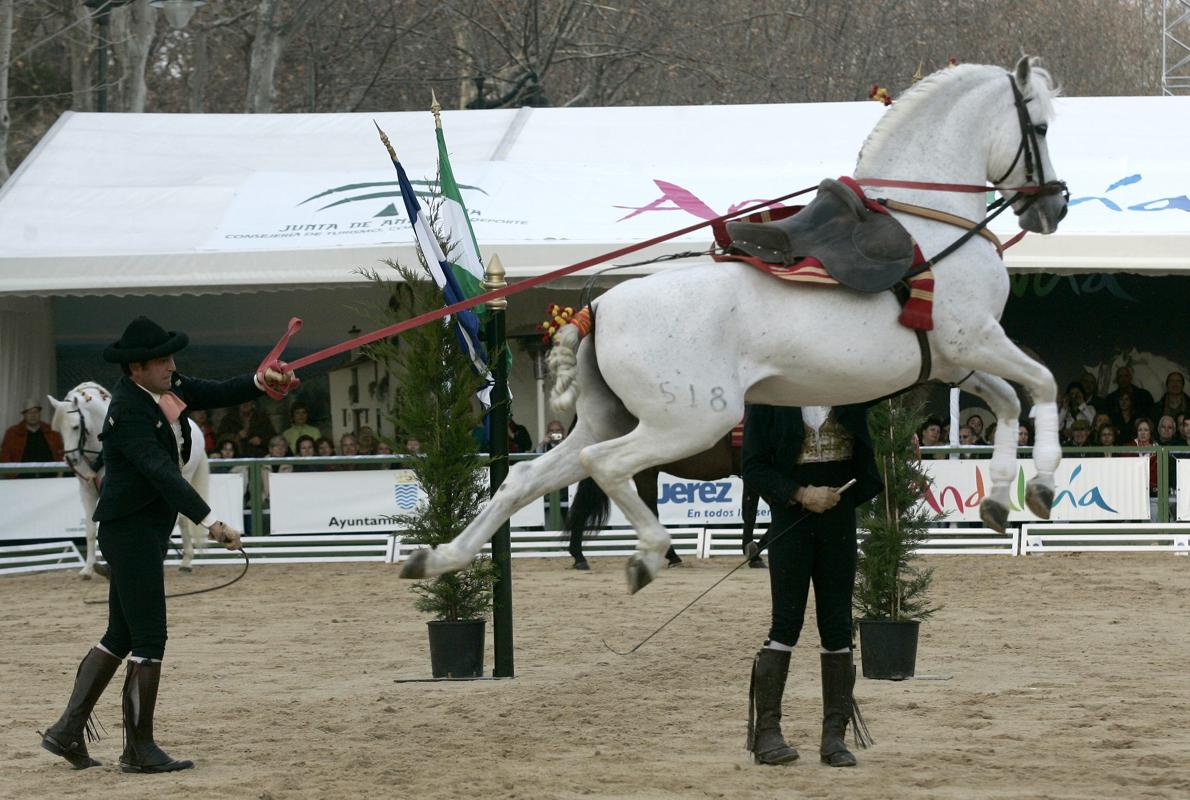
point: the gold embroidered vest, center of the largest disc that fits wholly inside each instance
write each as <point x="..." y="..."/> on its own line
<point x="831" y="442"/>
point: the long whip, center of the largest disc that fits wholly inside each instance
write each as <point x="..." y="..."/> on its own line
<point x="765" y="542"/>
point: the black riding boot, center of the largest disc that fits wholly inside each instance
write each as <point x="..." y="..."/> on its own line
<point x="141" y="753"/>
<point x="839" y="708"/>
<point x="770" y="668"/>
<point x="66" y="736"/>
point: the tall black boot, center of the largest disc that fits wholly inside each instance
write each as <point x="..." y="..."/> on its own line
<point x="839" y="708"/>
<point x="141" y="753"/>
<point x="770" y="668"/>
<point x="66" y="737"/>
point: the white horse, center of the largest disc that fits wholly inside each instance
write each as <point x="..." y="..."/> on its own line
<point x="79" y="419"/>
<point x="673" y="356"/>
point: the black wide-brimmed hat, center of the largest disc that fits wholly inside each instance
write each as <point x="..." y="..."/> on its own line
<point x="144" y="340"/>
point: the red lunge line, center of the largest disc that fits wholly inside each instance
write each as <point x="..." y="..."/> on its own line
<point x="520" y="286"/>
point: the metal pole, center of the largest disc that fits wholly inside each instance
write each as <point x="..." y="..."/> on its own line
<point x="498" y="449"/>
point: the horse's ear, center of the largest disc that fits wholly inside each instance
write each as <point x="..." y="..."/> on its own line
<point x="1022" y="70"/>
<point x="54" y="401"/>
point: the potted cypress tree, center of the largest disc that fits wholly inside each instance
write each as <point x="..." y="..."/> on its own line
<point x="891" y="591"/>
<point x="437" y="409"/>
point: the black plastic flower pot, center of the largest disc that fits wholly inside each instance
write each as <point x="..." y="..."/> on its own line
<point x="888" y="648"/>
<point x="456" y="648"/>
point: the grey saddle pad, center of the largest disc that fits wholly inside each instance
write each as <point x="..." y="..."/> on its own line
<point x="859" y="248"/>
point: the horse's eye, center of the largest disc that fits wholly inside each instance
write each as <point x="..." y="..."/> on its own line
<point x="1041" y="129"/>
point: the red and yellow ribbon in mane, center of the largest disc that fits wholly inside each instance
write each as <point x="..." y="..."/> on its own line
<point x="560" y="316"/>
<point x="880" y="94"/>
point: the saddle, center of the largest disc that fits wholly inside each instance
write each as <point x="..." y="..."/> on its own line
<point x="860" y="248"/>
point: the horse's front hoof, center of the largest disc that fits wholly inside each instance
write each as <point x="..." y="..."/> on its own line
<point x="638" y="575"/>
<point x="187" y="570"/>
<point x="994" y="514"/>
<point x="415" y="565"/>
<point x="642" y="568"/>
<point x="85" y="575"/>
<point x="103" y="572"/>
<point x="1039" y="498"/>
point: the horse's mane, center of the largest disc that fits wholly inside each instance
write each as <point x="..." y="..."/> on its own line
<point x="1041" y="84"/>
<point x="85" y="386"/>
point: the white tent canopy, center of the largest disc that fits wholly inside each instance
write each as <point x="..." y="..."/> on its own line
<point x="176" y="203"/>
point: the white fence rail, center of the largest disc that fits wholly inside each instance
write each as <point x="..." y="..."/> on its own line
<point x="1028" y="539"/>
<point x="40" y="557"/>
<point x="1140" y="537"/>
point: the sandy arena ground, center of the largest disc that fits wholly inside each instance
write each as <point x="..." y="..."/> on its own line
<point x="1070" y="678"/>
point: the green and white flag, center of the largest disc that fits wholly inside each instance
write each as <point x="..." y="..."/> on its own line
<point x="462" y="250"/>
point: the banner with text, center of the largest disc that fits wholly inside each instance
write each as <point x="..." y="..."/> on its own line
<point x="682" y="502"/>
<point x="51" y="508"/>
<point x="1085" y="489"/>
<point x="356" y="502"/>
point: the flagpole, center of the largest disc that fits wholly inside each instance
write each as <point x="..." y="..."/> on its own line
<point x="494" y="278"/>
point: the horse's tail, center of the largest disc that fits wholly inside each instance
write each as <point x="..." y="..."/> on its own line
<point x="563" y="365"/>
<point x="589" y="509"/>
<point x="563" y="361"/>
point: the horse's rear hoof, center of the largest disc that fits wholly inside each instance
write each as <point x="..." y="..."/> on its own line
<point x="1039" y="498"/>
<point x="102" y="571"/>
<point x="994" y="514"/>
<point x="187" y="570"/>
<point x="582" y="566"/>
<point x="85" y="576"/>
<point x="415" y="565"/>
<point x="639" y="575"/>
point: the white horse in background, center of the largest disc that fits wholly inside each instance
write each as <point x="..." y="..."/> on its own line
<point x="1149" y="372"/>
<point x="673" y="357"/>
<point x="79" y="419"/>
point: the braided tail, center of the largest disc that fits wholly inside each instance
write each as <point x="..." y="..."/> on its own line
<point x="563" y="365"/>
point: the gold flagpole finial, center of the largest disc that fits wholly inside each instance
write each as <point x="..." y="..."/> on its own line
<point x="391" y="153"/>
<point x="494" y="278"/>
<point x="436" y="109"/>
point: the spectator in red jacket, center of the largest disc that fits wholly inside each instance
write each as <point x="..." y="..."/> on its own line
<point x="31" y="439"/>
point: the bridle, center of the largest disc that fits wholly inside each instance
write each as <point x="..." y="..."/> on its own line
<point x="1034" y="188"/>
<point x="81" y="452"/>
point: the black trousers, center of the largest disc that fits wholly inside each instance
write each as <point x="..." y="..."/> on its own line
<point x="819" y="550"/>
<point x="135" y="548"/>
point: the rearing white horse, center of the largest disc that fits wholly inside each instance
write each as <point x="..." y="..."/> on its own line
<point x="673" y="357"/>
<point x="79" y="419"/>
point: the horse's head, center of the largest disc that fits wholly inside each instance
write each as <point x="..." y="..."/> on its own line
<point x="1019" y="159"/>
<point x="78" y="419"/>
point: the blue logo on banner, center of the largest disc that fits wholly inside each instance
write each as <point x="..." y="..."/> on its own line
<point x="406" y="496"/>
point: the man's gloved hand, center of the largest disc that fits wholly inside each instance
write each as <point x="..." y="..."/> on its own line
<point x="226" y="535"/>
<point x="278" y="381"/>
<point x="817" y="498"/>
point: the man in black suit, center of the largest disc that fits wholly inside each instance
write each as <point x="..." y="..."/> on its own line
<point x="146" y="437"/>
<point x="799" y="460"/>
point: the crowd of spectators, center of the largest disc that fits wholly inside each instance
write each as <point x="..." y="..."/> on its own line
<point x="1128" y="416"/>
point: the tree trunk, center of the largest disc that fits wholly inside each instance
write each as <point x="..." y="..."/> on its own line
<point x="262" y="62"/>
<point x="78" y="49"/>
<point x="268" y="43"/>
<point x="196" y="79"/>
<point x="139" y="26"/>
<point x="6" y="12"/>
